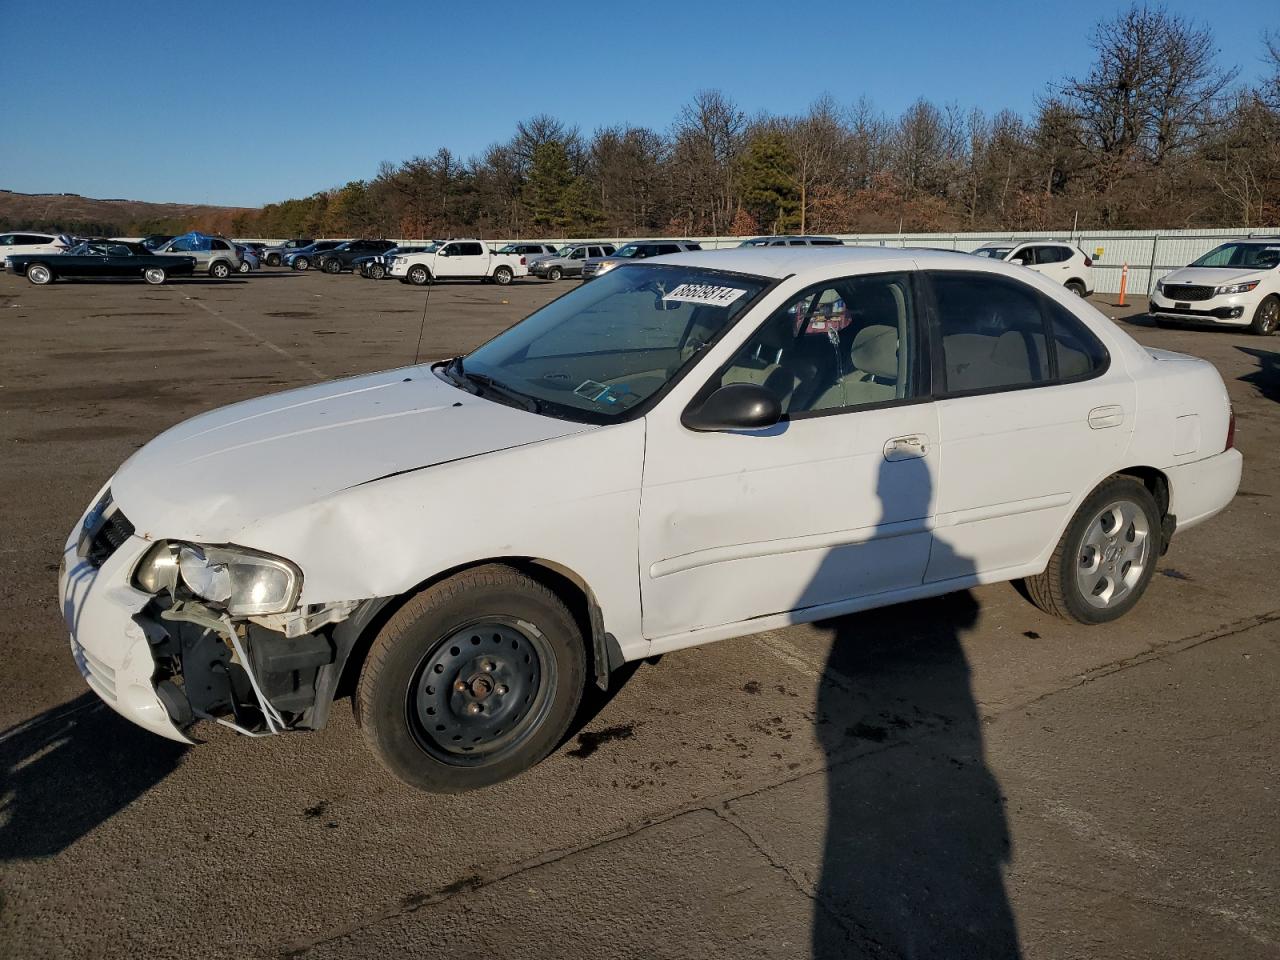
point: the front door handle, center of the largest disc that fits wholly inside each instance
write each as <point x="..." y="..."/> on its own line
<point x="1109" y="416"/>
<point x="911" y="447"/>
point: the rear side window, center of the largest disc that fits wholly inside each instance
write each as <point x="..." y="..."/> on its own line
<point x="997" y="334"/>
<point x="470" y="249"/>
<point x="33" y="239"/>
<point x="609" y="249"/>
<point x="664" y="248"/>
<point x="992" y="333"/>
<point x="594" y="252"/>
<point x="693" y="246"/>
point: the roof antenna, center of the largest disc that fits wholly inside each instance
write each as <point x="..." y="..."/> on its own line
<point x="423" y="326"/>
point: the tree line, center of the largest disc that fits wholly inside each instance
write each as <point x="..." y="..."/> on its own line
<point x="1155" y="134"/>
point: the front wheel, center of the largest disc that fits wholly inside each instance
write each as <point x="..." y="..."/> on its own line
<point x="555" y="273"/>
<point x="1267" y="317"/>
<point x="502" y="276"/>
<point x="302" y="263"/>
<point x="220" y="270"/>
<point x="273" y="260"/>
<point x="1106" y="557"/>
<point x="154" y="275"/>
<point x="332" y="266"/>
<point x="419" y="276"/>
<point x="40" y="274"/>
<point x="473" y="681"/>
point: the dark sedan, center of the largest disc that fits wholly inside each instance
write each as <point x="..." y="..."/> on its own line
<point x="102" y="258"/>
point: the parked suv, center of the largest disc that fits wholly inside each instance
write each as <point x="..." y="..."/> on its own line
<point x="303" y="257"/>
<point x="568" y="260"/>
<point x="1236" y="283"/>
<point x="215" y="256"/>
<point x="791" y="241"/>
<point x="530" y="250"/>
<point x="343" y="255"/>
<point x="1066" y="264"/>
<point x="635" y="250"/>
<point x="274" y="256"/>
<point x="19" y="244"/>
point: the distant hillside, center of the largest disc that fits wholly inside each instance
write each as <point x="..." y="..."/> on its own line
<point x="72" y="213"/>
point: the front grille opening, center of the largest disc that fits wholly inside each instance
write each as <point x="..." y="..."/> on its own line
<point x="115" y="530"/>
<point x="1187" y="291"/>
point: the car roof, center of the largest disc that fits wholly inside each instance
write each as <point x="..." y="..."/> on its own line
<point x="779" y="262"/>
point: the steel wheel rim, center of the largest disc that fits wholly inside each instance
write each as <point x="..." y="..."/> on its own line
<point x="39" y="274"/>
<point x="482" y="692"/>
<point x="1113" y="554"/>
<point x="154" y="275"/>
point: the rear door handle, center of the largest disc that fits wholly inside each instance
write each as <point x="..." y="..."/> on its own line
<point x="1102" y="417"/>
<point x="910" y="447"/>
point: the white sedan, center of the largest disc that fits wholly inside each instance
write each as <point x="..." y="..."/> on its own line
<point x="1235" y="283"/>
<point x="688" y="449"/>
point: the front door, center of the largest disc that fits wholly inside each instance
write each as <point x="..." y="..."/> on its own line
<point x="833" y="503"/>
<point x="462" y="259"/>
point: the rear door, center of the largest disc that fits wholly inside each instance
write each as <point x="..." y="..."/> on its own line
<point x="1031" y="413"/>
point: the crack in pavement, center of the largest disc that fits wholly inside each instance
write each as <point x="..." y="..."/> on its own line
<point x="311" y="369"/>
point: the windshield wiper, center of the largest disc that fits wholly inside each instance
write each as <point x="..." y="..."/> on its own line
<point x="485" y="384"/>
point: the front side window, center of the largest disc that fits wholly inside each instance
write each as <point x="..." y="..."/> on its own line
<point x="608" y="346"/>
<point x="992" y="333"/>
<point x="579" y="253"/>
<point x="841" y="344"/>
<point x="6" y="240"/>
<point x="118" y="250"/>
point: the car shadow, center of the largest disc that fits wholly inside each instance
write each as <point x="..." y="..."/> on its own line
<point x="70" y="769"/>
<point x="1267" y="377"/>
<point x="916" y="836"/>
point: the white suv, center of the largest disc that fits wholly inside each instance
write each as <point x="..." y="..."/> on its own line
<point x="1066" y="264"/>
<point x="1236" y="283"/>
<point x="20" y="244"/>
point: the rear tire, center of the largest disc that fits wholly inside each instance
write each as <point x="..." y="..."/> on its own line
<point x="220" y="270"/>
<point x="418" y="276"/>
<point x="1267" y="317"/>
<point x="502" y="276"/>
<point x="474" y="680"/>
<point x="273" y="260"/>
<point x="39" y="274"/>
<point x="244" y="267"/>
<point x="154" y="275"/>
<point x="1076" y="287"/>
<point x="377" y="271"/>
<point x="1106" y="557"/>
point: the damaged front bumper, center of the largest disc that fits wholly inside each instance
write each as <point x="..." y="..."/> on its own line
<point x="166" y="663"/>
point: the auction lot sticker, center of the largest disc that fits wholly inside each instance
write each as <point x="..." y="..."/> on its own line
<point x="707" y="293"/>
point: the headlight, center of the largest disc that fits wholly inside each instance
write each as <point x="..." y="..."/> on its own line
<point x="1237" y="287"/>
<point x="248" y="583"/>
<point x="1160" y="285"/>
<point x="605" y="267"/>
<point x="402" y="260"/>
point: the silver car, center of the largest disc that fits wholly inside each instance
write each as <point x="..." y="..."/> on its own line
<point x="568" y="260"/>
<point x="636" y="250"/>
<point x="215" y="256"/>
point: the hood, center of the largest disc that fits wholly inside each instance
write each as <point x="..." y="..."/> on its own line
<point x="1213" y="276"/>
<point x="212" y="476"/>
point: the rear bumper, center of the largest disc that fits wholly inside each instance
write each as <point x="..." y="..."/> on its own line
<point x="1202" y="489"/>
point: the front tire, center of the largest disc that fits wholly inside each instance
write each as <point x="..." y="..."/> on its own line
<point x="473" y="681"/>
<point x="418" y="276"/>
<point x="39" y="274"/>
<point x="154" y="275"/>
<point x="1267" y="317"/>
<point x="555" y="273"/>
<point x="502" y="276"/>
<point x="1106" y="556"/>
<point x="332" y="266"/>
<point x="273" y="260"/>
<point x="302" y="263"/>
<point x="220" y="270"/>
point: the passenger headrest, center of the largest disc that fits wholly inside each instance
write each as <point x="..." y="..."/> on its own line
<point x="875" y="351"/>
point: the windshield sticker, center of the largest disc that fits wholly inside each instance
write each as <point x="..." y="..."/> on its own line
<point x="705" y="293"/>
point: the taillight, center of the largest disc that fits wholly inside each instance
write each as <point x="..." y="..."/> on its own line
<point x="1231" y="430"/>
<point x="522" y="262"/>
<point x="1088" y="260"/>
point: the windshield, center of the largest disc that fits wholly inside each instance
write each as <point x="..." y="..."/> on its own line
<point x="995" y="253"/>
<point x="607" y="346"/>
<point x="1254" y="256"/>
<point x="565" y="251"/>
<point x="629" y="251"/>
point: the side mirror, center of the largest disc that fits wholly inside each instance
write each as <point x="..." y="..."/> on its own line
<point x="737" y="406"/>
<point x="444" y="253"/>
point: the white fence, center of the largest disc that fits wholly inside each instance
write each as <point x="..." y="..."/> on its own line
<point x="1150" y="254"/>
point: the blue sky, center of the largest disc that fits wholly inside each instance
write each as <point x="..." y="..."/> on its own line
<point x="248" y="102"/>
